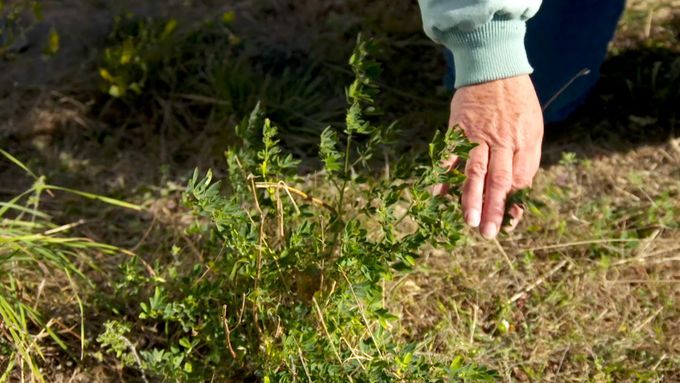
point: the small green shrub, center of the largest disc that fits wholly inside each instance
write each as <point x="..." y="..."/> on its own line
<point x="293" y="287"/>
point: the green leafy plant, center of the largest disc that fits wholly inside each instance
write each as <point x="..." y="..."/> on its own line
<point x="293" y="288"/>
<point x="201" y="74"/>
<point x="31" y="244"/>
<point x="140" y="47"/>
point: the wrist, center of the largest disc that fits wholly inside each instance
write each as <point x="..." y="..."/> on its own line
<point x="491" y="52"/>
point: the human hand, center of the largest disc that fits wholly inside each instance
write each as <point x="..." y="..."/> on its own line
<point x="504" y="118"/>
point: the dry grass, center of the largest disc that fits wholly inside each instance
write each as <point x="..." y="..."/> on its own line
<point x="594" y="286"/>
<point x="649" y="21"/>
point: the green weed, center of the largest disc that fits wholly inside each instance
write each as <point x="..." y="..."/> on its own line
<point x="292" y="286"/>
<point x="138" y="48"/>
<point x="185" y="76"/>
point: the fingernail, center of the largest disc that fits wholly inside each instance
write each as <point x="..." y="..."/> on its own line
<point x="510" y="226"/>
<point x="489" y="231"/>
<point x="472" y="217"/>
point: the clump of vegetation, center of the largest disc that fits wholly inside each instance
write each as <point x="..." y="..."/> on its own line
<point x="139" y="47"/>
<point x="293" y="286"/>
<point x="203" y="74"/>
<point x="32" y="246"/>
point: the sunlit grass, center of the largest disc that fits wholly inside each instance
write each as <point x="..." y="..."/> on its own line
<point x="31" y="245"/>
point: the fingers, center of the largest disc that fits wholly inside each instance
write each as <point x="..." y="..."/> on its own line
<point x="440" y="190"/>
<point x="506" y="117"/>
<point x="492" y="174"/>
<point x="450" y="162"/>
<point x="473" y="188"/>
<point x="498" y="185"/>
<point x="525" y="166"/>
<point x="515" y="212"/>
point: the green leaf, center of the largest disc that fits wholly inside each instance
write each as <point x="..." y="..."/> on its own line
<point x="169" y="29"/>
<point x="116" y="91"/>
<point x="331" y="157"/>
<point x="228" y="17"/>
<point x="37" y="10"/>
<point x="127" y="52"/>
<point x="249" y="131"/>
<point x="184" y="342"/>
<point x="52" y="42"/>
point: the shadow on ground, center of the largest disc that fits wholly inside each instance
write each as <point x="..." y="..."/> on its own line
<point x="634" y="104"/>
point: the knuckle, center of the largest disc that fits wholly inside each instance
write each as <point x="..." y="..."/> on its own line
<point x="476" y="169"/>
<point x="496" y="211"/>
<point x="522" y="182"/>
<point x="500" y="180"/>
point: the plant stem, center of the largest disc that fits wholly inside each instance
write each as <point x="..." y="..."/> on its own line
<point x="341" y="200"/>
<point x="328" y="335"/>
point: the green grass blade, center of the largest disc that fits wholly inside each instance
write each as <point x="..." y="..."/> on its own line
<point x="13" y="324"/>
<point x="11" y="360"/>
<point x="18" y="163"/>
<point x="24" y="209"/>
<point x="108" y="200"/>
<point x="4" y="209"/>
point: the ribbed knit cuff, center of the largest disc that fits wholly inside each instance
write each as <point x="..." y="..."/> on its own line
<point x="490" y="52"/>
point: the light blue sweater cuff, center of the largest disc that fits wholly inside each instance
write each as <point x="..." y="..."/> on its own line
<point x="493" y="51"/>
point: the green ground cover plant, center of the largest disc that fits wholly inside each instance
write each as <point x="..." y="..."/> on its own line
<point x="293" y="286"/>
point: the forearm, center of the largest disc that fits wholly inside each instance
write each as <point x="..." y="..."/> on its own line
<point x="485" y="36"/>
